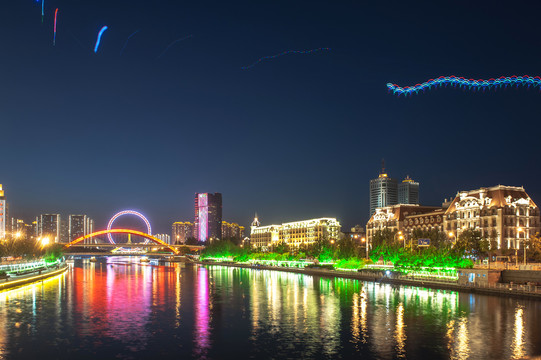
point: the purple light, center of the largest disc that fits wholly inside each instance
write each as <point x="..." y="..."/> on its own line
<point x="127" y="212"/>
<point x="202" y="312"/>
<point x="203" y="217"/>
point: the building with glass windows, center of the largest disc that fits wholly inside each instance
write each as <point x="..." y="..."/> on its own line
<point x="296" y="234"/>
<point x="208" y="216"/>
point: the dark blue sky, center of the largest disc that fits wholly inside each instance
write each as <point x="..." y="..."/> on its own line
<point x="295" y="137"/>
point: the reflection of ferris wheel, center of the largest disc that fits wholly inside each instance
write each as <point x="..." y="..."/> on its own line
<point x="128" y="212"/>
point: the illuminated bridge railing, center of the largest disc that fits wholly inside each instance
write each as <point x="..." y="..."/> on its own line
<point x="27" y="267"/>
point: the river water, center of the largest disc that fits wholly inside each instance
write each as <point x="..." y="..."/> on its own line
<point x="120" y="309"/>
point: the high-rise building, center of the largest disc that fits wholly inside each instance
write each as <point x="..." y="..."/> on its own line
<point x="3" y="214"/>
<point x="181" y="231"/>
<point x="79" y="225"/>
<point x="408" y="191"/>
<point x="383" y="191"/>
<point x="208" y="216"/>
<point x="49" y="226"/>
<point x="232" y="230"/>
<point x="166" y="238"/>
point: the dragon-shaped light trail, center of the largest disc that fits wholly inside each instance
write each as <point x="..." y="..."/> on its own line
<point x="470" y="84"/>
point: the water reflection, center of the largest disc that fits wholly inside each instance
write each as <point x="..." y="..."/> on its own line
<point x="202" y="313"/>
<point x="400" y="333"/>
<point x="518" y="341"/>
<point x="123" y="309"/>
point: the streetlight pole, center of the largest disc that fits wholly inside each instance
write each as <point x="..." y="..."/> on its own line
<point x="366" y="246"/>
<point x="519" y="230"/>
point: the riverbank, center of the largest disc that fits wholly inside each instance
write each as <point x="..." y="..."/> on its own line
<point x="13" y="282"/>
<point x="502" y="289"/>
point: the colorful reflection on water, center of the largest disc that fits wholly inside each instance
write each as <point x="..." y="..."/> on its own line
<point x="122" y="309"/>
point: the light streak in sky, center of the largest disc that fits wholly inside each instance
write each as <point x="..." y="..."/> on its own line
<point x="54" y="36"/>
<point x="126" y="43"/>
<point x="99" y="38"/>
<point x="261" y="59"/>
<point x="173" y="43"/>
<point x="42" y="12"/>
<point x="470" y="84"/>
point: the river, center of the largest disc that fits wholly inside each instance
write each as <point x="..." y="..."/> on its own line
<point x="120" y="309"/>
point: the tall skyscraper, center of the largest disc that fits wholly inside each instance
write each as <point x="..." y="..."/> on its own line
<point x="3" y="214"/>
<point x="383" y="191"/>
<point x="408" y="191"/>
<point x="49" y="226"/>
<point x="79" y="225"/>
<point x="208" y="216"/>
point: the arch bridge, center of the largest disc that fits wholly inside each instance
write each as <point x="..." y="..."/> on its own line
<point x="122" y="231"/>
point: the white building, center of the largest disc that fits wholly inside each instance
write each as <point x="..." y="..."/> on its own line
<point x="297" y="233"/>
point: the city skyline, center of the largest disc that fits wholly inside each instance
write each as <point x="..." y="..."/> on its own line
<point x="146" y="123"/>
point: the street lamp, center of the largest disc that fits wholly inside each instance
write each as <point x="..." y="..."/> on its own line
<point x="400" y="237"/>
<point x="44" y="241"/>
<point x="366" y="246"/>
<point x="451" y="234"/>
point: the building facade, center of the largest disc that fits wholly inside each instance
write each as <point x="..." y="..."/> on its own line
<point x="49" y="226"/>
<point x="181" y="231"/>
<point x="383" y="192"/>
<point x="408" y="191"/>
<point x="3" y="214"/>
<point x="504" y="214"/>
<point x="232" y="230"/>
<point x="208" y="216"/>
<point x="166" y="238"/>
<point x="295" y="234"/>
<point x="394" y="218"/>
<point x="79" y="225"/>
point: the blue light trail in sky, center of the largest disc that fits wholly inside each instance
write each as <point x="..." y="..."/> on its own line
<point x="173" y="43"/>
<point x="282" y="54"/>
<point x="470" y="84"/>
<point x="99" y="38"/>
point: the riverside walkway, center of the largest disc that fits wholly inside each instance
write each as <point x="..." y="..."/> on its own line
<point x="24" y="273"/>
<point x="503" y="289"/>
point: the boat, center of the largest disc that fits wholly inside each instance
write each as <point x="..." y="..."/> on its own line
<point x="144" y="260"/>
<point x="93" y="259"/>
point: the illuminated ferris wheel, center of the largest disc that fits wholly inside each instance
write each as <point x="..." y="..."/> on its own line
<point x="128" y="212"/>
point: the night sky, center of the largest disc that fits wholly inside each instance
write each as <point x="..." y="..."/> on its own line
<point x="295" y="137"/>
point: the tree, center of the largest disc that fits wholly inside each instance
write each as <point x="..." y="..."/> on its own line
<point x="383" y="237"/>
<point x="438" y="239"/>
<point x="471" y="242"/>
<point x="534" y="247"/>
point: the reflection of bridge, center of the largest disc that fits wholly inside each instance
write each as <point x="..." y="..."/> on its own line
<point x="77" y="242"/>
